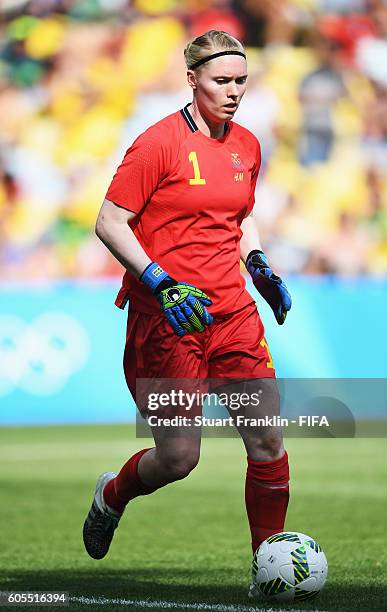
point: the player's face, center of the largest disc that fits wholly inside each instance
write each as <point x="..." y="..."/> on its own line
<point x="219" y="86"/>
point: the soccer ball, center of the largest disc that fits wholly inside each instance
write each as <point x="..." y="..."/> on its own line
<point x="287" y="567"/>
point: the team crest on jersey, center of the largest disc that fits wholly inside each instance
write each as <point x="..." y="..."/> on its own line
<point x="238" y="167"/>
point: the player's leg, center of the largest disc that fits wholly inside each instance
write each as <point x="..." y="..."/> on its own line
<point x="175" y="454"/>
<point x="267" y="475"/>
<point x="153" y="353"/>
<point x="239" y="351"/>
<point x="176" y="451"/>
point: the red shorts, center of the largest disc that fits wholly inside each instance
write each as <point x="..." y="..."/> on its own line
<point x="233" y="347"/>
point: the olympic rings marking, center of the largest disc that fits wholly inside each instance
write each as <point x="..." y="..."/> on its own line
<point x="39" y="357"/>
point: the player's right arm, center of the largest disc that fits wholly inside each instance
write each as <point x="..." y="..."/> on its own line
<point x="183" y="305"/>
<point x="112" y="228"/>
<point x="146" y="163"/>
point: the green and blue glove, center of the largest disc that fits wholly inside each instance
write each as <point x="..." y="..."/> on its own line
<point x="270" y="286"/>
<point x="183" y="304"/>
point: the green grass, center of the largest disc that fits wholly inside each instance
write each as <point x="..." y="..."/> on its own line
<point x="188" y="542"/>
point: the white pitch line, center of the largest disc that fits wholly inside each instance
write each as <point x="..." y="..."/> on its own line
<point x="174" y="605"/>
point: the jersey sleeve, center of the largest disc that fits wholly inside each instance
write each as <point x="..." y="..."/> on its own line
<point x="145" y="165"/>
<point x="254" y="177"/>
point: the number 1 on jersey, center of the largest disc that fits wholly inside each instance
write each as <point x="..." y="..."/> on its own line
<point x="270" y="363"/>
<point x="197" y="180"/>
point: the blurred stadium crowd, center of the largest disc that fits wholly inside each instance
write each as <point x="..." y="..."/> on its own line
<point x="80" y="79"/>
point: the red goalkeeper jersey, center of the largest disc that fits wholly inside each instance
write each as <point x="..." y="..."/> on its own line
<point x="191" y="194"/>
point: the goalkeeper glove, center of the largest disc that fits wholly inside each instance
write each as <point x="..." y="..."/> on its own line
<point x="270" y="286"/>
<point x="184" y="305"/>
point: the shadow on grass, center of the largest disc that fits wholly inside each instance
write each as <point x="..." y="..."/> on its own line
<point x="171" y="584"/>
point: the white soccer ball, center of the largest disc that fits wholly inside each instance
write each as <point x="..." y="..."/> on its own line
<point x="288" y="566"/>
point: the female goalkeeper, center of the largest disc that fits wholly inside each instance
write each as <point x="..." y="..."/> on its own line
<point x="177" y="215"/>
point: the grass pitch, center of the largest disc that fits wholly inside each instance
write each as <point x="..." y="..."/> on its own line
<point x="187" y="543"/>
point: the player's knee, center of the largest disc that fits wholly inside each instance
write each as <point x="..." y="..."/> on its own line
<point x="179" y="467"/>
<point x="267" y="448"/>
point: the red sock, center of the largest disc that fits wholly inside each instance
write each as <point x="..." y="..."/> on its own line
<point x="126" y="485"/>
<point x="266" y="496"/>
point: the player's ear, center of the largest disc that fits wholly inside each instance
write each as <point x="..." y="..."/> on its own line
<point x="191" y="79"/>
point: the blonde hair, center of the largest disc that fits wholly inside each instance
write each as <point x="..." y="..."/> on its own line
<point x="208" y="43"/>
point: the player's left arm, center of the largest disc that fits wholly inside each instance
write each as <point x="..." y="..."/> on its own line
<point x="270" y="286"/>
<point x="250" y="237"/>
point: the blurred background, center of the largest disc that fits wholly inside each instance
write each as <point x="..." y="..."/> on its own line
<point x="80" y="79"/>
